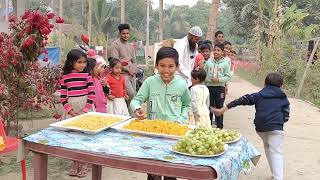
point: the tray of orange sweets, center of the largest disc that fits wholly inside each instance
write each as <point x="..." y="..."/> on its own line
<point x="154" y="128"/>
<point x="90" y="123"/>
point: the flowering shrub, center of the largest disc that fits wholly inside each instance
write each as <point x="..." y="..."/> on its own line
<point x="23" y="85"/>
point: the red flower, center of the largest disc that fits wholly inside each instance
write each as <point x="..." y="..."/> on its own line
<point x="14" y="63"/>
<point x="50" y="15"/>
<point x="36" y="16"/>
<point x="44" y="51"/>
<point x="59" y="20"/>
<point x="85" y="38"/>
<point x="51" y="26"/>
<point x="26" y="15"/>
<point x="45" y="59"/>
<point x="57" y="115"/>
<point x="29" y="41"/>
<point x="12" y="18"/>
<point x="45" y="31"/>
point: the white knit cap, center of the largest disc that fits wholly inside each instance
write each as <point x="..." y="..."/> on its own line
<point x="196" y="31"/>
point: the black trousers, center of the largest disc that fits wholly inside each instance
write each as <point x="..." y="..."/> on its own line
<point x="217" y="97"/>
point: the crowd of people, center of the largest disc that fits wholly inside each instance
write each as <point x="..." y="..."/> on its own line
<point x="190" y="87"/>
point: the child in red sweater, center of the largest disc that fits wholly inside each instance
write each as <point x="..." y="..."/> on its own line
<point x="118" y="95"/>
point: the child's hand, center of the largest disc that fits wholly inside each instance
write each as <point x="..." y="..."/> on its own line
<point x="140" y="114"/>
<point x="197" y="117"/>
<point x="126" y="97"/>
<point x="215" y="80"/>
<point x="73" y="114"/>
<point x="111" y="97"/>
<point x="218" y="112"/>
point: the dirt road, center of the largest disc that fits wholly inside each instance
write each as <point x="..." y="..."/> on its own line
<point x="302" y="140"/>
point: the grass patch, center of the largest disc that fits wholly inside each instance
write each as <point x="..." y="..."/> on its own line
<point x="57" y="167"/>
<point x="36" y="114"/>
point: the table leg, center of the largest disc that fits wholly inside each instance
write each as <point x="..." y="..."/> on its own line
<point x="40" y="166"/>
<point x="96" y="172"/>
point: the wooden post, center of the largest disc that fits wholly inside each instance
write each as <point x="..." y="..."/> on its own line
<point x="96" y="172"/>
<point x="40" y="166"/>
<point x="307" y="69"/>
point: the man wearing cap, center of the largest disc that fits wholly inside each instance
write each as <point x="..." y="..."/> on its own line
<point x="187" y="48"/>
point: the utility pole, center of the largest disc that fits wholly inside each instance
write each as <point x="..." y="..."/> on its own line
<point x="122" y="11"/>
<point x="147" y="30"/>
<point x="90" y="20"/>
<point x="160" y="20"/>
<point x="148" y="23"/>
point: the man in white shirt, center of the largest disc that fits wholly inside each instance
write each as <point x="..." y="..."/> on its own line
<point x="187" y="48"/>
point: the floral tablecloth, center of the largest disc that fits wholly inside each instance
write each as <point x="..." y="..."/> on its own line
<point x="228" y="166"/>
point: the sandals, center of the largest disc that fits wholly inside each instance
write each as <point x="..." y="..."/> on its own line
<point x="83" y="170"/>
<point x="74" y="170"/>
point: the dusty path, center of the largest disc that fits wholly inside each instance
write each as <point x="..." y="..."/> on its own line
<point x="302" y="140"/>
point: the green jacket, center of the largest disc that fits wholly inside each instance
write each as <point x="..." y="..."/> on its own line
<point x="167" y="102"/>
<point x="219" y="69"/>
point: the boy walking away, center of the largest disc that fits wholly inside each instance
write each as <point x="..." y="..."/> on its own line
<point x="272" y="111"/>
<point x="199" y="99"/>
<point x="218" y="74"/>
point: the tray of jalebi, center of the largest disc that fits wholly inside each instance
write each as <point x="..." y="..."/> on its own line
<point x="154" y="128"/>
<point x="90" y="123"/>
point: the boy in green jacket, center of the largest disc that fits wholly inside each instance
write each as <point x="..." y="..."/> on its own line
<point x="167" y="95"/>
<point x="218" y="74"/>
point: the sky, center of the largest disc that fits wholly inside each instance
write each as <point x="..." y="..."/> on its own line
<point x="155" y="3"/>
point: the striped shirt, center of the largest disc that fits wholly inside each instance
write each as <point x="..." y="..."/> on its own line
<point x="76" y="85"/>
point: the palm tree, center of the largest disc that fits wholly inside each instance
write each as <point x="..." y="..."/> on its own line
<point x="214" y="12"/>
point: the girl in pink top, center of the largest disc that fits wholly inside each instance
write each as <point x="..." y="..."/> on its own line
<point x="77" y="95"/>
<point x="100" y="101"/>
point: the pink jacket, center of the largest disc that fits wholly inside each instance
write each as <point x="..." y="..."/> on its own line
<point x="100" y="101"/>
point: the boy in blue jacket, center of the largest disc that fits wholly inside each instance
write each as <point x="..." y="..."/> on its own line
<point x="272" y="111"/>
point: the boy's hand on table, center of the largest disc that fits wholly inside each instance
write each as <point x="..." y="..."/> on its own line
<point x="140" y="114"/>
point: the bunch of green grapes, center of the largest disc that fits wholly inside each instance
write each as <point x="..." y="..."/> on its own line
<point x="229" y="135"/>
<point x="200" y="141"/>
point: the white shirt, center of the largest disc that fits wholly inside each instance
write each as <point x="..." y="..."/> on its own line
<point x="200" y="103"/>
<point x="186" y="59"/>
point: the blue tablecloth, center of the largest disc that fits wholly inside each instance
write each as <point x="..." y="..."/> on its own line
<point x="228" y="166"/>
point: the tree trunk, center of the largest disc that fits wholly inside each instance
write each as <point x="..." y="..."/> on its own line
<point x="258" y="40"/>
<point x="307" y="69"/>
<point x="60" y="25"/>
<point x="214" y="12"/>
<point x="122" y="11"/>
<point x="90" y="19"/>
<point x="160" y="20"/>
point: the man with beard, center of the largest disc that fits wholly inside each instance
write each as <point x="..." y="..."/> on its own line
<point x="187" y="48"/>
<point x="122" y="50"/>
